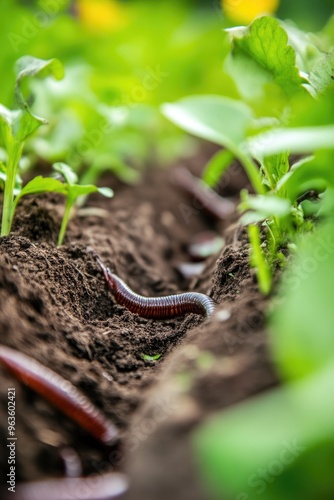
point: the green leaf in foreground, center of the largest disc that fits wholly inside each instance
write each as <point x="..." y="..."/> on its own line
<point x="295" y="140"/>
<point x="41" y="185"/>
<point x="266" y="206"/>
<point x="18" y="125"/>
<point x="272" y="443"/>
<point x="261" y="54"/>
<point x="302" y="326"/>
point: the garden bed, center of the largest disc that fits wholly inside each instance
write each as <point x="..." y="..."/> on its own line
<point x="57" y="309"/>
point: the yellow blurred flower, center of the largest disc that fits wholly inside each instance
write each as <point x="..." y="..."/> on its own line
<point x="101" y="15"/>
<point x="244" y="11"/>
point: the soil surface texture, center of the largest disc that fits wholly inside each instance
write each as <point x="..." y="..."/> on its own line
<point x="56" y="308"/>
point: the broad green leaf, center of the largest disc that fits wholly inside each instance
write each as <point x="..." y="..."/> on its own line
<point x="43" y="184"/>
<point x="295" y="140"/>
<point x="66" y="171"/>
<point x="18" y="125"/>
<point x="270" y="444"/>
<point x="221" y="120"/>
<point x="302" y="339"/>
<point x="215" y="168"/>
<point x="261" y="54"/>
<point x="28" y="66"/>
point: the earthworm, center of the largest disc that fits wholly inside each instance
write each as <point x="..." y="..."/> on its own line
<point x="157" y="307"/>
<point x="60" y="393"/>
<point x="216" y="206"/>
<point x="98" y="487"/>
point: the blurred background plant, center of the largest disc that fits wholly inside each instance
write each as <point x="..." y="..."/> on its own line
<point x="122" y="59"/>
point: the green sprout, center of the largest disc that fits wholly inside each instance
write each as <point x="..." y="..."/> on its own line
<point x="73" y="191"/>
<point x="16" y="126"/>
<point x="147" y="357"/>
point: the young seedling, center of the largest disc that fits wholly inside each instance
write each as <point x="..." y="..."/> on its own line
<point x="72" y="193"/>
<point x="16" y="126"/>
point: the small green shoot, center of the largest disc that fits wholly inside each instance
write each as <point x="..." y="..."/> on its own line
<point x="16" y="126"/>
<point x="258" y="260"/>
<point x="147" y="357"/>
<point x="72" y="192"/>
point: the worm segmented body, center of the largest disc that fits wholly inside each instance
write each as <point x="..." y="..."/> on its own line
<point x="60" y="393"/>
<point x="157" y="307"/>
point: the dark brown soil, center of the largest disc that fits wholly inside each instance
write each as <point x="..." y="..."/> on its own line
<point x="56" y="308"/>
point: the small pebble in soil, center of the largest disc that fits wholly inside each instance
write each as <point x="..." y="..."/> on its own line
<point x="190" y="269"/>
<point x="223" y="315"/>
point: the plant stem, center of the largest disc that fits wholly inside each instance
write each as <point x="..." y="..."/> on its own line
<point x="69" y="203"/>
<point x="258" y="260"/>
<point x="252" y="171"/>
<point x="14" y="152"/>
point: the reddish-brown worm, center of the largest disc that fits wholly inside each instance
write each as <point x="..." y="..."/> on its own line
<point x="60" y="393"/>
<point x="98" y="487"/>
<point x="157" y="307"/>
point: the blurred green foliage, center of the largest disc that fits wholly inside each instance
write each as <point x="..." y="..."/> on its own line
<point x="154" y="55"/>
<point x="281" y="444"/>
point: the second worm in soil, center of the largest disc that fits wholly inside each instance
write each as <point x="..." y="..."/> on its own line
<point x="157" y="307"/>
<point x="60" y="393"/>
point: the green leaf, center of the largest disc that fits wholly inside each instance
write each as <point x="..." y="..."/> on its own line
<point x="261" y="54"/>
<point x="66" y="171"/>
<point x="28" y="66"/>
<point x="18" y="125"/>
<point x="77" y="190"/>
<point x="302" y="339"/>
<point x="221" y="120"/>
<point x="215" y="168"/>
<point x="41" y="185"/>
<point x="266" y="205"/>
<point x="105" y="191"/>
<point x="322" y="74"/>
<point x="295" y="140"/>
<point x="269" y="443"/>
